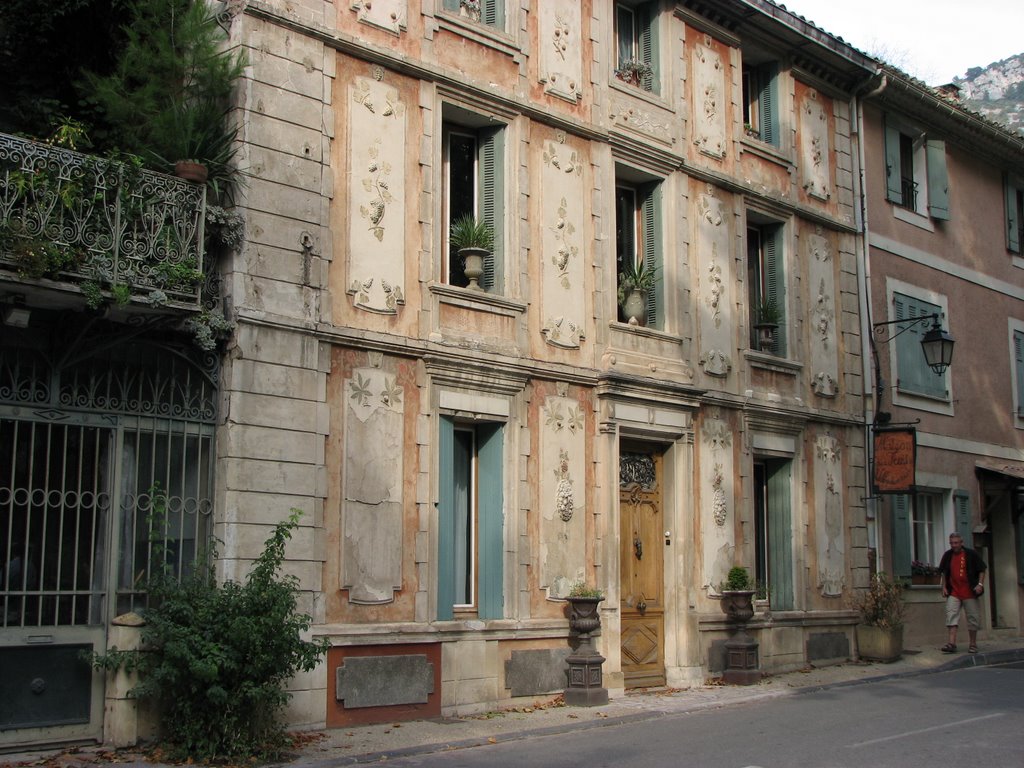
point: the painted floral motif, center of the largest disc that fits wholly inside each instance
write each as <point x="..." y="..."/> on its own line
<point x="562" y="332"/>
<point x="377" y="185"/>
<point x="717" y="434"/>
<point x="827" y="448"/>
<point x="362" y="95"/>
<point x="823" y="313"/>
<point x="719" y="508"/>
<point x="359" y="390"/>
<point x="393" y="295"/>
<point x="716" y="363"/>
<point x="570" y="165"/>
<point x="369" y="392"/>
<point x="824" y="384"/>
<point x="571" y="420"/>
<point x="564" y="503"/>
<point x="560" y="36"/>
<point x="715" y="287"/>
<point x="563" y="230"/>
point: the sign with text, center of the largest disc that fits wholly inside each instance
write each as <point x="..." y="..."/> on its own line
<point x="895" y="460"/>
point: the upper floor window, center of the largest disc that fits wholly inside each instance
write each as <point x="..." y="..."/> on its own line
<point x="1014" y="188"/>
<point x="913" y="373"/>
<point x="766" y="286"/>
<point x="915" y="171"/>
<point x="473" y="161"/>
<point x="636" y="39"/>
<point x="489" y="12"/>
<point x="638" y="251"/>
<point x="761" y="102"/>
<point x="1018" y="372"/>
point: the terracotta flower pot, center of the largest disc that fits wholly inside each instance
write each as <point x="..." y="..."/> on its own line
<point x="191" y="171"/>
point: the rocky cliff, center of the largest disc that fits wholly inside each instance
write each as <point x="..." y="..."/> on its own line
<point x="996" y="91"/>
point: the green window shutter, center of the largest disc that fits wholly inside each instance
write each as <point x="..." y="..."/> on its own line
<point x="938" y="179"/>
<point x="1018" y="362"/>
<point x="913" y="373"/>
<point x="451" y="5"/>
<point x="490" y="206"/>
<point x="962" y="510"/>
<point x="648" y="43"/>
<point x="445" y="519"/>
<point x="893" y="183"/>
<point x="492" y="13"/>
<point x="780" y="536"/>
<point x="901" y="552"/>
<point x="650" y="212"/>
<point x="1013" y="242"/>
<point x="491" y="524"/>
<point x="768" y="104"/>
<point x="775" y="282"/>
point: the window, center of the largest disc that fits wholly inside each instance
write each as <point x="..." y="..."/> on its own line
<point x="638" y="241"/>
<point x="773" y="531"/>
<point x="927" y="530"/>
<point x="1018" y="372"/>
<point x="489" y="12"/>
<point x="912" y="372"/>
<point x="637" y="41"/>
<point x="761" y="102"/>
<point x="473" y="184"/>
<point x="470" y="520"/>
<point x="915" y="171"/>
<point x="920" y="527"/>
<point x="1014" y="214"/>
<point x="766" y="286"/>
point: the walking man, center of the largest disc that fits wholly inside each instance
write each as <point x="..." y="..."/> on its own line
<point x="963" y="582"/>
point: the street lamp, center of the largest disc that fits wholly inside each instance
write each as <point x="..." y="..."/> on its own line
<point x="937" y="345"/>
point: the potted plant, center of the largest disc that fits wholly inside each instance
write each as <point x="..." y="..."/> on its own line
<point x="923" y="574"/>
<point x="738" y="595"/>
<point x="583" y="601"/>
<point x="636" y="280"/>
<point x="767" y="319"/>
<point x="473" y="240"/>
<point x="633" y="71"/>
<point x="881" y="608"/>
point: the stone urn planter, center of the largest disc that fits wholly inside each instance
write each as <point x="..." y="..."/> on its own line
<point x="586" y="681"/>
<point x="634" y="308"/>
<point x="473" y="266"/>
<point x="738" y="605"/>
<point x="742" y="664"/>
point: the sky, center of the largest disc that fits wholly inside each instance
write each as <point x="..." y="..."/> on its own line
<point x="933" y="40"/>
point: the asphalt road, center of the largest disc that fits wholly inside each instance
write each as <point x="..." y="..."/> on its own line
<point x="967" y="717"/>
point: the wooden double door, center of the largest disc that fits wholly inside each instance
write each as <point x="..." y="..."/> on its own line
<point x="642" y="568"/>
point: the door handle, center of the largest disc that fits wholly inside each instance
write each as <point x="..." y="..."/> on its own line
<point x="638" y="548"/>
<point x="642" y="606"/>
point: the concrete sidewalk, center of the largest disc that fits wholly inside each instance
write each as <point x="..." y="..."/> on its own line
<point x="376" y="743"/>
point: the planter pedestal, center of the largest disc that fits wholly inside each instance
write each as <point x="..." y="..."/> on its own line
<point x="742" y="665"/>
<point x="586" y="682"/>
<point x="878" y="644"/>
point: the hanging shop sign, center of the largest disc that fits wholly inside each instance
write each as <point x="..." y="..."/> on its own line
<point x="895" y="460"/>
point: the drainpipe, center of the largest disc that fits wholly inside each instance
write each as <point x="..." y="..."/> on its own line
<point x="869" y="352"/>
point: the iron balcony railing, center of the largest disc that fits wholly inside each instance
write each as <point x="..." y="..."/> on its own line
<point x="104" y="227"/>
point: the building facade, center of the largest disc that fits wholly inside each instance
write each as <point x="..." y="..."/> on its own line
<point x="466" y="447"/>
<point x="943" y="200"/>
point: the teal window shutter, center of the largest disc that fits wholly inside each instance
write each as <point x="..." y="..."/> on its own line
<point x="492" y="13"/>
<point x="893" y="181"/>
<point x="962" y="510"/>
<point x="938" y="179"/>
<point x="780" y="536"/>
<point x="491" y="523"/>
<point x="650" y="214"/>
<point x="768" y="104"/>
<point x="775" y="282"/>
<point x="901" y="551"/>
<point x="451" y="5"/>
<point x="490" y="206"/>
<point x="648" y="44"/>
<point x="1013" y="223"/>
<point x="1018" y="363"/>
<point x="913" y="372"/>
<point x="446" y="520"/>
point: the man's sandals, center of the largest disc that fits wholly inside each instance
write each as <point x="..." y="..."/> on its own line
<point x="950" y="648"/>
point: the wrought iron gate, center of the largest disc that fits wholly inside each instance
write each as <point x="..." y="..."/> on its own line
<point x="106" y="458"/>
